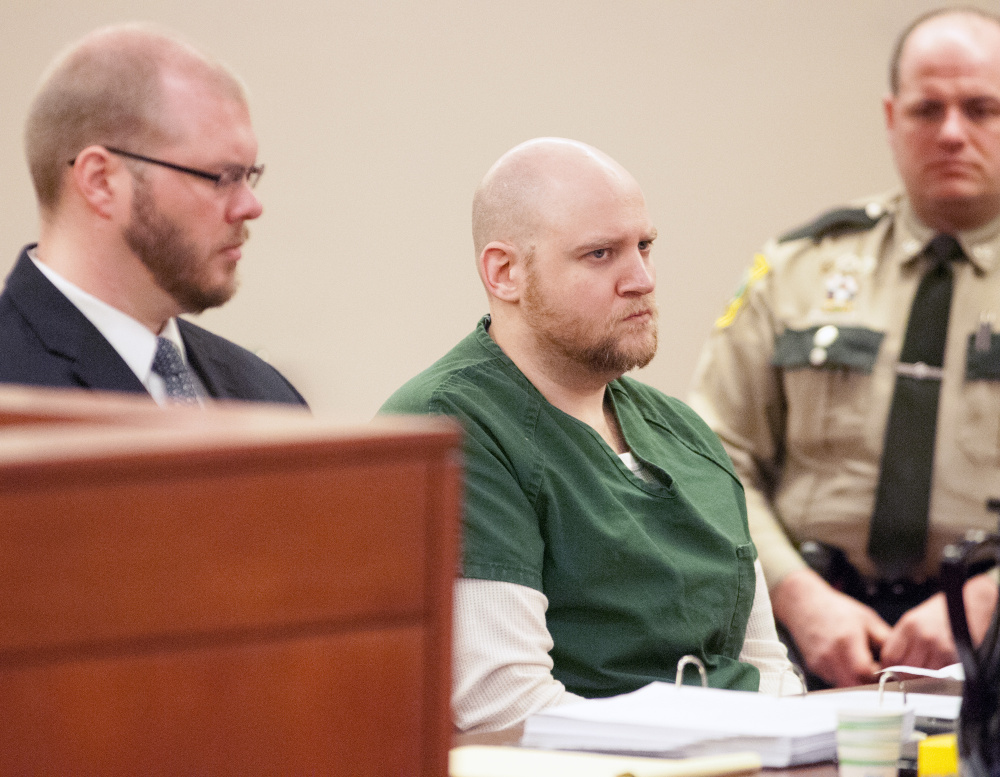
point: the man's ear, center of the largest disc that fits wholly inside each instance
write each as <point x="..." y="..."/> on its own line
<point x="501" y="270"/>
<point x="889" y="111"/>
<point x="96" y="177"/>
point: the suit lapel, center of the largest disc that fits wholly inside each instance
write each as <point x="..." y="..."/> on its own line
<point x="66" y="333"/>
<point x="216" y="375"/>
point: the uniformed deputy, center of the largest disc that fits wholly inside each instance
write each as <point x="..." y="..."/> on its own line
<point x="799" y="376"/>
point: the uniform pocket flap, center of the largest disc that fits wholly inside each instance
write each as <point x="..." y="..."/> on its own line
<point x="828" y="346"/>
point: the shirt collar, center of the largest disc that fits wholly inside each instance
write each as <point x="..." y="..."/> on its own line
<point x="981" y="246"/>
<point x="131" y="339"/>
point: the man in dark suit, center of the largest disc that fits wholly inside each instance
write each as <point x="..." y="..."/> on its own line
<point x="143" y="160"/>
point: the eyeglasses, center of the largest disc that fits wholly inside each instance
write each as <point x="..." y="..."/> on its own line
<point x="231" y="176"/>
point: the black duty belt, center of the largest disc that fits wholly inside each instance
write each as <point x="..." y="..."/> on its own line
<point x="889" y="598"/>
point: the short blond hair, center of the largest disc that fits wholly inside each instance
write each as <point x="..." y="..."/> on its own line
<point x="107" y="89"/>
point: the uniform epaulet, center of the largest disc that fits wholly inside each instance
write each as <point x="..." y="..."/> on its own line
<point x="835" y="222"/>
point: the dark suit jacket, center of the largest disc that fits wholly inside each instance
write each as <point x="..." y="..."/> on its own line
<point x="46" y="341"/>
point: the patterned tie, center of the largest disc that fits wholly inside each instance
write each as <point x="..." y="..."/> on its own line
<point x="178" y="377"/>
<point x="899" y="521"/>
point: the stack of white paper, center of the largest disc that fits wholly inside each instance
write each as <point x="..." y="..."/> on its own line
<point x="668" y="720"/>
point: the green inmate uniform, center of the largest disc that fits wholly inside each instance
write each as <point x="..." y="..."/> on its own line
<point x="637" y="574"/>
<point x="798" y="375"/>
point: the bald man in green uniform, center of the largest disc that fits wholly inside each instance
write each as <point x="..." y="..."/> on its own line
<point x="605" y="531"/>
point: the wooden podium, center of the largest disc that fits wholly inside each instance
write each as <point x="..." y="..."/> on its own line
<point x="240" y="590"/>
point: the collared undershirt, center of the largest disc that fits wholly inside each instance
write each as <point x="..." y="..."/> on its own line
<point x="133" y="341"/>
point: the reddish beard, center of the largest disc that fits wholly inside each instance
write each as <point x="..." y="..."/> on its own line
<point x="172" y="258"/>
<point x="614" y="353"/>
<point x="612" y="348"/>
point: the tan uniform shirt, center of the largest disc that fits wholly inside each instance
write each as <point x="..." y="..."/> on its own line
<point x="797" y="379"/>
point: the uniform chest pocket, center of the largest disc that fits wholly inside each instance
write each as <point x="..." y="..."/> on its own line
<point x="979" y="433"/>
<point x="828" y="385"/>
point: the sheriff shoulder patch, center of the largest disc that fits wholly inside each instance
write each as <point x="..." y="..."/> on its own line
<point x="757" y="270"/>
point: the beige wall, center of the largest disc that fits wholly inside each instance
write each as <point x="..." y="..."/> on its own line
<point x="376" y="121"/>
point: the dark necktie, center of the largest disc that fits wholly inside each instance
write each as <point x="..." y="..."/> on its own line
<point x="899" y="521"/>
<point x="178" y="377"/>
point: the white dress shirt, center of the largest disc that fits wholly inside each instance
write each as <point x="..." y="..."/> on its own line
<point x="132" y="340"/>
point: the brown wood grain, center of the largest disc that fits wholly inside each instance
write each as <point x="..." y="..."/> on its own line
<point x="237" y="591"/>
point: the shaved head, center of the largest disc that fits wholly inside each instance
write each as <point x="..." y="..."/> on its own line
<point x="563" y="241"/>
<point x="516" y="197"/>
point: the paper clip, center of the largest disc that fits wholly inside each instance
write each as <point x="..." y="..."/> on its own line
<point x="689" y="659"/>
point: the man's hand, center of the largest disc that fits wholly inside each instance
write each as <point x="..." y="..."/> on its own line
<point x="922" y="637"/>
<point x="835" y="634"/>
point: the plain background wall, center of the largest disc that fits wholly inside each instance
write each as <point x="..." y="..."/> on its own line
<point x="740" y="119"/>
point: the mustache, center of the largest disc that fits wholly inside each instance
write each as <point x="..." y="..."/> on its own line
<point x="645" y="305"/>
<point x="239" y="236"/>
